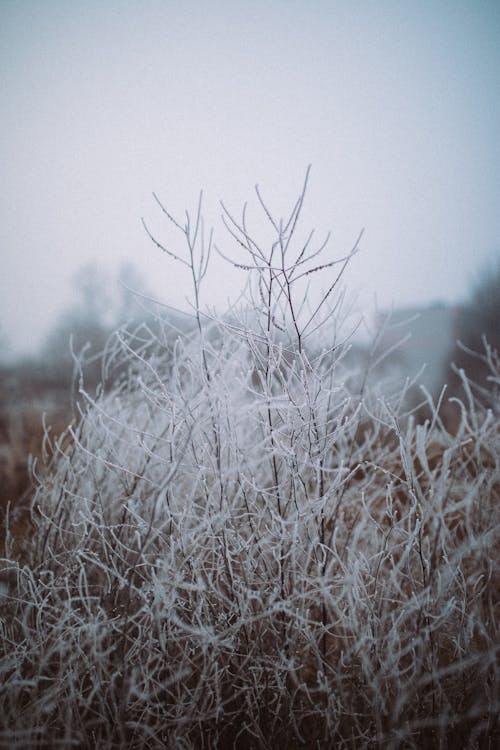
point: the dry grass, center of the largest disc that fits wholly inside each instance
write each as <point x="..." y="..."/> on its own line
<point x="245" y="545"/>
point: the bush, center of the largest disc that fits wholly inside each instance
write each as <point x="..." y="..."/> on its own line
<point x="245" y="546"/>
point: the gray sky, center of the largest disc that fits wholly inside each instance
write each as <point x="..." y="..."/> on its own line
<point x="395" y="104"/>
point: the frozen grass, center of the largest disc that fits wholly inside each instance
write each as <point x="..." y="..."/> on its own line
<point x="244" y="545"/>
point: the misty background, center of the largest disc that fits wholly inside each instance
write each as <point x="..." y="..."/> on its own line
<point x="395" y="104"/>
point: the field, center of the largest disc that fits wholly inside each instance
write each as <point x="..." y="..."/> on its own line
<point x="249" y="540"/>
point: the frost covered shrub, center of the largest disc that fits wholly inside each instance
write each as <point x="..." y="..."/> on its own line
<point x="244" y="545"/>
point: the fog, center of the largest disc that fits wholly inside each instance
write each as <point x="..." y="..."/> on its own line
<point x="396" y="105"/>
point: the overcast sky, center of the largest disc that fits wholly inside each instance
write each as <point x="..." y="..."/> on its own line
<point x="395" y="104"/>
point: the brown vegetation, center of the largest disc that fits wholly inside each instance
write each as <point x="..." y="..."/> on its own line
<point x="241" y="549"/>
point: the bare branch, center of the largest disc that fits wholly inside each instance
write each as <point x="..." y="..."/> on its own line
<point x="162" y="247"/>
<point x="333" y="286"/>
<point x="168" y="215"/>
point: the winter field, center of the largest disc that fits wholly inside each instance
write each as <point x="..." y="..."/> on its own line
<point x="249" y="540"/>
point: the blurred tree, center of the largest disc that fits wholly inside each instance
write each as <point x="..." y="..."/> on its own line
<point x="100" y="306"/>
<point x="4" y="346"/>
<point x="83" y="328"/>
<point x="131" y="285"/>
<point x="479" y="317"/>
